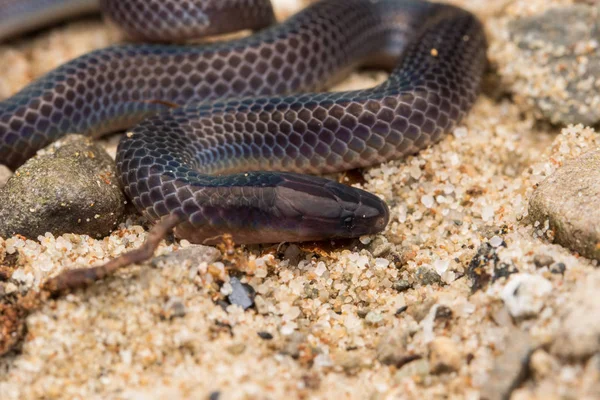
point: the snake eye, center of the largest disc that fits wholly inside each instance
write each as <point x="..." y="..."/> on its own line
<point x="348" y="223"/>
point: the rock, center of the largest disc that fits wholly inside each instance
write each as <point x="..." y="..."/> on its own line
<point x="558" y="268"/>
<point x="265" y="335"/>
<point x="374" y="318"/>
<point x="524" y="295"/>
<point x="236" y="349"/>
<point x="578" y="336"/>
<point x="444" y="356"/>
<point x="568" y="199"/>
<point x="562" y="44"/>
<point x="510" y="369"/>
<point x="542" y="260"/>
<point x="380" y="246"/>
<point x="71" y="187"/>
<point x="427" y="276"/>
<point x="242" y="294"/>
<point x="401" y="285"/>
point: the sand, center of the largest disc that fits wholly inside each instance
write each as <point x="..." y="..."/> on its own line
<point x="389" y="316"/>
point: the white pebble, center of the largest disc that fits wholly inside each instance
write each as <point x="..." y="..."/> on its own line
<point x="427" y="201"/>
<point x="381" y="263"/>
<point x="441" y="266"/>
<point x="321" y="268"/>
<point x="496" y="241"/>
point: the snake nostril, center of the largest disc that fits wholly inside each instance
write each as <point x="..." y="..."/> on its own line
<point x="348" y="223"/>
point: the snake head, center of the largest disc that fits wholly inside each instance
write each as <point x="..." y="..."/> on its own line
<point x="311" y="208"/>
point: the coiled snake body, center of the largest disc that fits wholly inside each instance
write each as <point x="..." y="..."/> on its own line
<point x="229" y="157"/>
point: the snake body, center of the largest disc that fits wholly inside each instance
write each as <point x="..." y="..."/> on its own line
<point x="231" y="156"/>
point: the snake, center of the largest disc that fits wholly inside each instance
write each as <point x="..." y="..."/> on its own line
<point x="233" y="136"/>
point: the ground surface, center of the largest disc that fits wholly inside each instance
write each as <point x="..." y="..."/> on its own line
<point x="411" y="313"/>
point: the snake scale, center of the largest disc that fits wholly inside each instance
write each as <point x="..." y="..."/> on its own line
<point x="223" y="135"/>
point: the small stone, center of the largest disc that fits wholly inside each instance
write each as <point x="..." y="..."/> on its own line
<point x="374" y="318"/>
<point x="444" y="356"/>
<point x="427" y="276"/>
<point x="558" y="268"/>
<point x="265" y="335"/>
<point x="242" y="294"/>
<point x="510" y="369"/>
<point x="71" y="188"/>
<point x="443" y="313"/>
<point x="380" y="246"/>
<point x="568" y="199"/>
<point x="524" y="295"/>
<point x="401" y="286"/>
<point x="496" y="241"/>
<point x="578" y="336"/>
<point x="236" y="349"/>
<point x="542" y="260"/>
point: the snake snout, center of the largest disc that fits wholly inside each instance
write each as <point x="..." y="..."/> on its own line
<point x="317" y="209"/>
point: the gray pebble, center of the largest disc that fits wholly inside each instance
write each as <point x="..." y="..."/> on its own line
<point x="542" y="260"/>
<point x="401" y="285"/>
<point x="71" y="188"/>
<point x="427" y="276"/>
<point x="242" y="295"/>
<point x="569" y="201"/>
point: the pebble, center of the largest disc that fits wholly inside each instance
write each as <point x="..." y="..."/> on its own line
<point x="542" y="260"/>
<point x="444" y="356"/>
<point x="37" y="198"/>
<point x="568" y="199"/>
<point x="562" y="43"/>
<point x="242" y="294"/>
<point x="524" y="295"/>
<point x="427" y="276"/>
<point x="510" y="368"/>
<point x="401" y="285"/>
<point x="578" y="335"/>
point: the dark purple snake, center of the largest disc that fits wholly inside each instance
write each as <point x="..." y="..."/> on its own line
<point x="231" y="157"/>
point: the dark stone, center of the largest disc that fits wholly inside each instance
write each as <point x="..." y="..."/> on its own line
<point x="71" y="188"/>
